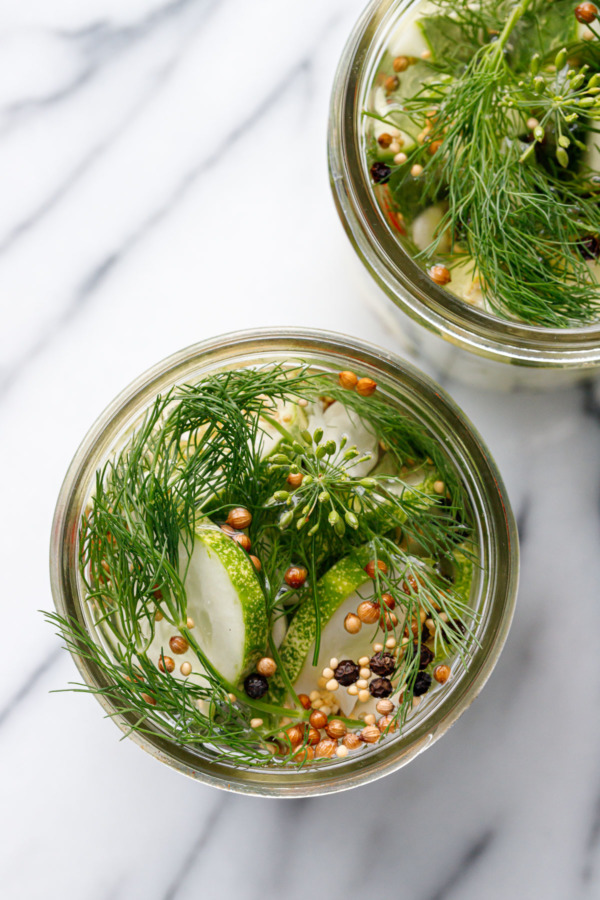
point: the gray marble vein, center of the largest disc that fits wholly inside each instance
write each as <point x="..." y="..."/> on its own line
<point x="461" y="871"/>
<point x="217" y="156"/>
<point x="199" y="847"/>
<point x="31" y="684"/>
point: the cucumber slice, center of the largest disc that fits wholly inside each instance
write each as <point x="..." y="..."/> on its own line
<point x="408" y="39"/>
<point x="424" y="229"/>
<point x="336" y="590"/>
<point x="465" y="284"/>
<point x="226" y="602"/>
<point x="337" y="422"/>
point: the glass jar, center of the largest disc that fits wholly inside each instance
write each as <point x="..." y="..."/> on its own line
<point x="460" y="340"/>
<point x="494" y="587"/>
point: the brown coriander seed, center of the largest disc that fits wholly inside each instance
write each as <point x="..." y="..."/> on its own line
<point x="401" y="63"/>
<point x="227" y="529"/>
<point x="586" y="13"/>
<point x="441" y="674"/>
<point x="318" y="719"/>
<point x="148" y="699"/>
<point x="243" y="540"/>
<point x="388" y="600"/>
<point x="368" y="612"/>
<point x="372" y="565"/>
<point x="190" y="623"/>
<point x="314" y="736"/>
<point x="351" y="741"/>
<point x="384" y="140"/>
<point x="385" y="707"/>
<point x="386" y="723"/>
<point x="326" y="748"/>
<point x="365" y="387"/>
<point x="304" y="701"/>
<point x="178" y="644"/>
<point x="370" y="734"/>
<point x="295" y="479"/>
<point x="294" y="734"/>
<point x="266" y="666"/>
<point x="304" y="755"/>
<point x="440" y="275"/>
<point x="185" y="668"/>
<point x="433" y="147"/>
<point x="166" y="664"/>
<point x="296" y="576"/>
<point x="352" y="624"/>
<point x="388" y="621"/>
<point x="348" y="379"/>
<point x="336" y="729"/>
<point x="239" y="518"/>
<point x="391" y="83"/>
<point x="256" y="562"/>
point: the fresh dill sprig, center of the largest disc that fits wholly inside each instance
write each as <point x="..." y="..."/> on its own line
<point x="519" y="203"/>
<point x="201" y="450"/>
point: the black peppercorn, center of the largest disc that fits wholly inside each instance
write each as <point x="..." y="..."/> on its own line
<point x="346" y="672"/>
<point x="422" y="684"/>
<point x="425" y="657"/>
<point x="380" y="173"/>
<point x="382" y="664"/>
<point x="425" y="634"/>
<point x="256" y="686"/>
<point x="380" y="687"/>
<point x="589" y="247"/>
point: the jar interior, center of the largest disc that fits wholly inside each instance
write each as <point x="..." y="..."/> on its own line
<point x="493" y="585"/>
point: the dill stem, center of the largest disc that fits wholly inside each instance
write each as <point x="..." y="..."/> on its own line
<point x="512" y="20"/>
<point x="266" y="708"/>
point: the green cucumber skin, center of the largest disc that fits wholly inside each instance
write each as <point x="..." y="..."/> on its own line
<point x="247" y="586"/>
<point x="341" y="580"/>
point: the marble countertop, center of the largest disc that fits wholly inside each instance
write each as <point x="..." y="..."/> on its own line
<point x="163" y="179"/>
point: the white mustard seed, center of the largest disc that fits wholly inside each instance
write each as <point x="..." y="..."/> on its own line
<point x="365" y="672"/>
<point x="185" y="668"/>
<point x="364" y="696"/>
<point x="327" y="673"/>
<point x="391" y="643"/>
<point x="400" y="158"/>
<point x="334" y="663"/>
<point x="353" y="690"/>
<point x="364" y="661"/>
<point x="377" y="648"/>
<point x="362" y="683"/>
<point x="314" y="695"/>
<point x="342" y="751"/>
<point x="370" y="719"/>
<point x="255" y="723"/>
<point x="332" y="685"/>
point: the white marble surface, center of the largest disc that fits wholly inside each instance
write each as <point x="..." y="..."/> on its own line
<point x="163" y="179"/>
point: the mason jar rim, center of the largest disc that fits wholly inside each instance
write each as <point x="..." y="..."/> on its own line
<point x="392" y="267"/>
<point x="396" y="379"/>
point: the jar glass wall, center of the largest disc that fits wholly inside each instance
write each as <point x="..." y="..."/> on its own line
<point x="493" y="592"/>
<point x="460" y="339"/>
